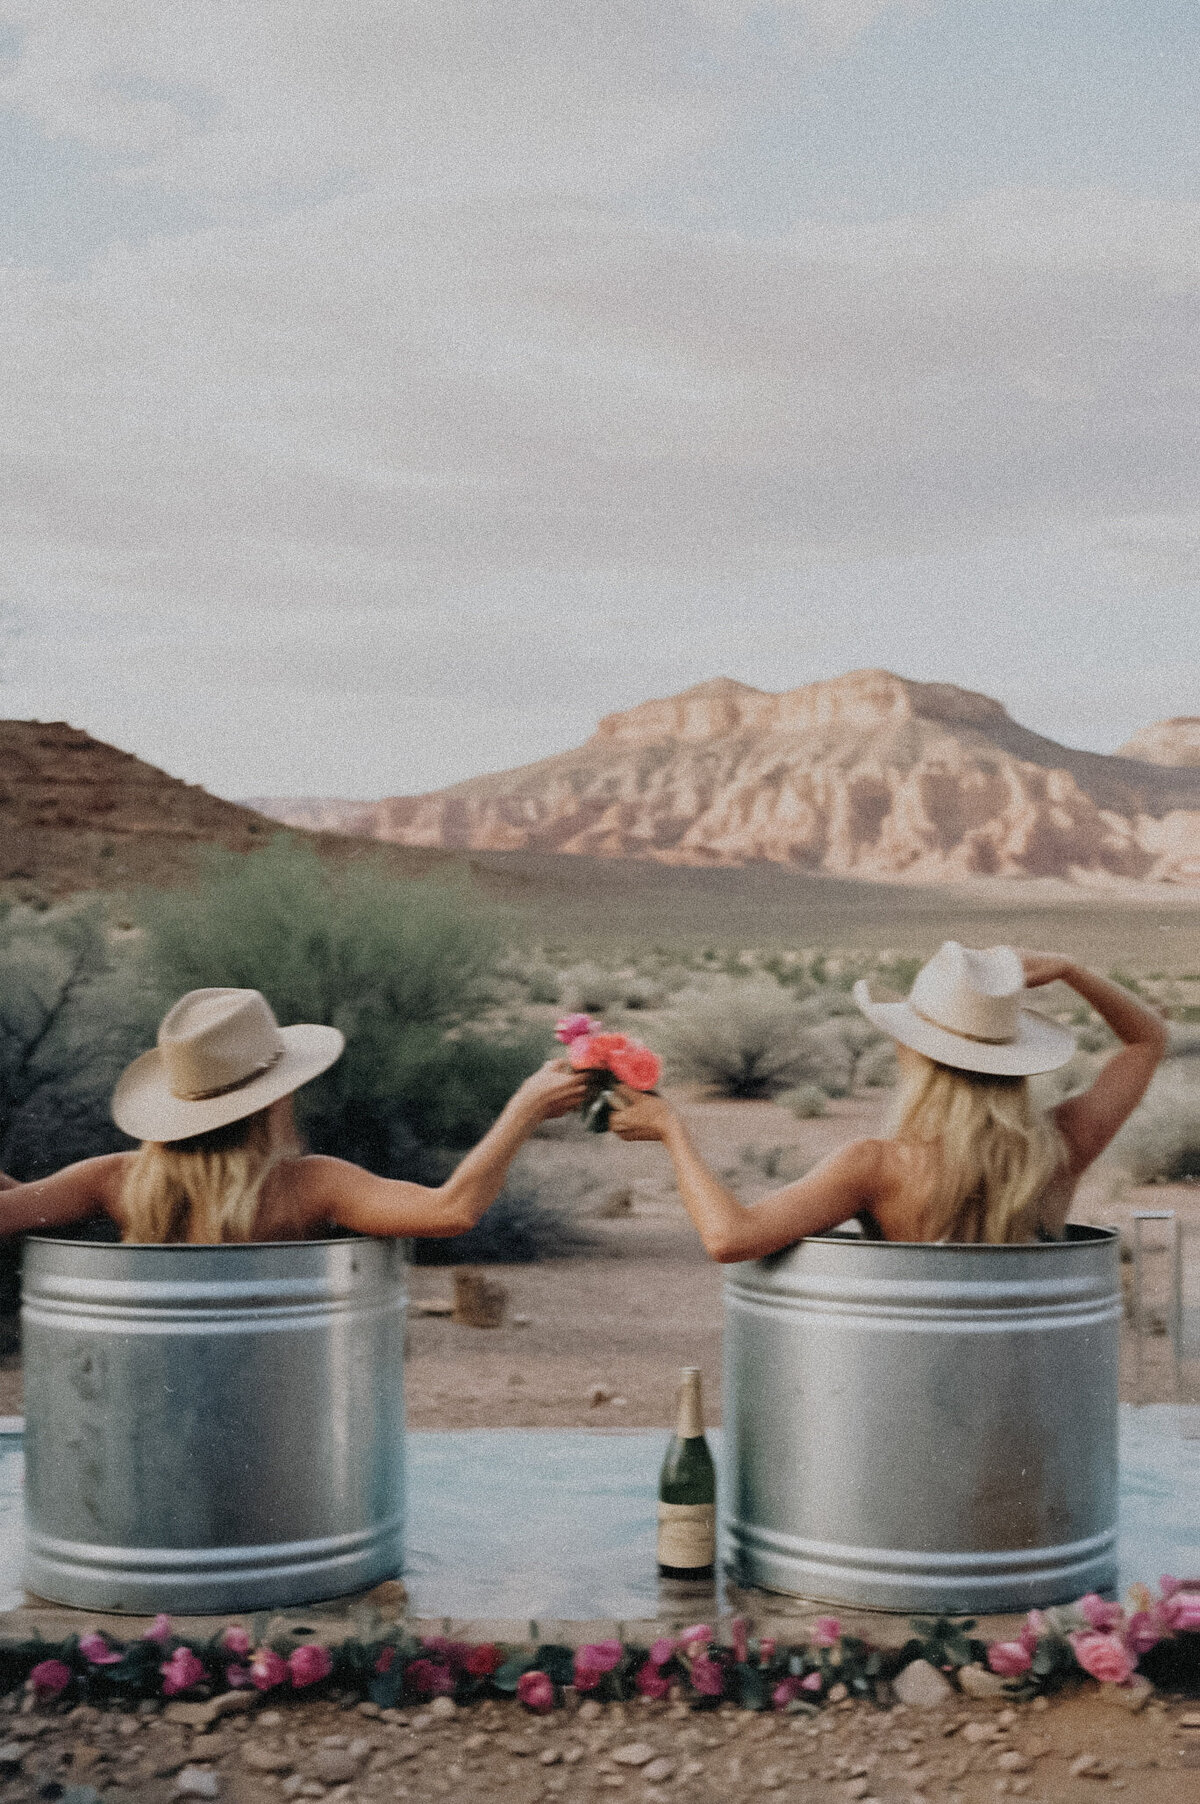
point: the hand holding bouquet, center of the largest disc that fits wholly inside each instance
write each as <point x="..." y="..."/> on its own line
<point x="605" y="1057"/>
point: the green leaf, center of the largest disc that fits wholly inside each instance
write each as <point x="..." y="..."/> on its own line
<point x="507" y="1676"/>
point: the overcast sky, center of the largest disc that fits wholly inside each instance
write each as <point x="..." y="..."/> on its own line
<point x="393" y="387"/>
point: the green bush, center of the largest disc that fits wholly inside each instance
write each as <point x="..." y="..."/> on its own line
<point x="806" y="1102"/>
<point x="1161" y="1139"/>
<point x="877" y="1068"/>
<point x="742" y="1039"/>
<point x="403" y="968"/>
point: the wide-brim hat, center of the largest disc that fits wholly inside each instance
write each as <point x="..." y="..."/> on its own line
<point x="965" y="1010"/>
<point x="221" y="1056"/>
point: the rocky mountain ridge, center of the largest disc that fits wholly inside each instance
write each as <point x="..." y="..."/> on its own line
<point x="869" y="775"/>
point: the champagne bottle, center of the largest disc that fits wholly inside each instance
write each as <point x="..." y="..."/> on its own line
<point x="687" y="1493"/>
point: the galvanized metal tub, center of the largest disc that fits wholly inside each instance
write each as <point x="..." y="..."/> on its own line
<point x="212" y="1428"/>
<point x="917" y="1427"/>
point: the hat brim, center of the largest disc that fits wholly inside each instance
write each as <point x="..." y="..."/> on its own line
<point x="145" y="1107"/>
<point x="1040" y="1045"/>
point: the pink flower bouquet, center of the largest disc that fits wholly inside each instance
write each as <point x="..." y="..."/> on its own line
<point x="605" y="1057"/>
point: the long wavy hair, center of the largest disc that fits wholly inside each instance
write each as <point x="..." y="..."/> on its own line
<point x="207" y="1188"/>
<point x="995" y="1151"/>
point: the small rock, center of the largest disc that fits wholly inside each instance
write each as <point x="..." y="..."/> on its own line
<point x="1011" y="1760"/>
<point x="979" y="1682"/>
<point x="335" y="1766"/>
<point x="856" y="1788"/>
<point x="600" y="1393"/>
<point x="197" y="1782"/>
<point x="1189" y="1720"/>
<point x="837" y="1694"/>
<point x="657" y="1772"/>
<point x="550" y="1756"/>
<point x="634" y="1753"/>
<point x="367" y="1708"/>
<point x="979" y="1732"/>
<point x="270" y="1719"/>
<point x="1134" y="1695"/>
<point x="265" y="1760"/>
<point x="920" y="1686"/>
<point x="443" y="1708"/>
<point x="208" y="1747"/>
<point x="11" y="1756"/>
<point x="590" y="1710"/>
<point x="1088" y="1766"/>
<point x="1006" y="1718"/>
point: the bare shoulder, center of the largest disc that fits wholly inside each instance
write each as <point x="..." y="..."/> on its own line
<point x="308" y="1187"/>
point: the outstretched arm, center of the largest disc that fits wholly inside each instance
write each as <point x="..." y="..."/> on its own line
<point x="833" y="1192"/>
<point x="1088" y="1122"/>
<point x="390" y="1208"/>
<point x="70" y="1195"/>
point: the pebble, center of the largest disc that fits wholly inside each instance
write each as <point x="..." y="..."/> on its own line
<point x="442" y="1708"/>
<point x="11" y="1756"/>
<point x="978" y="1682"/>
<point x="590" y="1710"/>
<point x="335" y="1766"/>
<point x="634" y="1753"/>
<point x="270" y="1719"/>
<point x="1088" y="1766"/>
<point x="659" y="1770"/>
<point x="265" y="1760"/>
<point x="550" y="1756"/>
<point x="197" y="1782"/>
<point x="1189" y="1720"/>
<point x="920" y="1686"/>
<point x="976" y="1732"/>
<point x="1012" y="1761"/>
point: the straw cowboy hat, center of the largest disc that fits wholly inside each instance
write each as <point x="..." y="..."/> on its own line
<point x="964" y="1010"/>
<point x="221" y="1056"/>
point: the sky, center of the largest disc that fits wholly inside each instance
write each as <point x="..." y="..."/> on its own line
<point x="394" y="387"/>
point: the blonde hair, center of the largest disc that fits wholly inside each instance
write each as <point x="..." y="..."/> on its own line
<point x="996" y="1152"/>
<point x="206" y="1188"/>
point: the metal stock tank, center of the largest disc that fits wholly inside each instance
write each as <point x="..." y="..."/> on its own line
<point x="924" y="1427"/>
<point x="212" y="1428"/>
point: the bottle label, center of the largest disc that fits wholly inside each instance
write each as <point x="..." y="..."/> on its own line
<point x="687" y="1534"/>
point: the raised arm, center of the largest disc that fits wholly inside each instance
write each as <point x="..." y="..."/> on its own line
<point x="70" y="1195"/>
<point x="831" y="1193"/>
<point x="1088" y="1122"/>
<point x="333" y="1190"/>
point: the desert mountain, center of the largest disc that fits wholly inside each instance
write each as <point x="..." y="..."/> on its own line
<point x="868" y="775"/>
<point x="1172" y="742"/>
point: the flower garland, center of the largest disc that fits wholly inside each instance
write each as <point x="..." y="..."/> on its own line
<point x="1156" y="1637"/>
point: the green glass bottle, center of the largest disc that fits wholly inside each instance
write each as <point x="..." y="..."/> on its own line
<point x="687" y="1493"/>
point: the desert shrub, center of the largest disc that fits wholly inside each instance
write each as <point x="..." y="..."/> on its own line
<point x="744" y="1039"/>
<point x="402" y="968"/>
<point x="1161" y="1139"/>
<point x="806" y="1102"/>
<point x="542" y="984"/>
<point x="590" y="989"/>
<point x="877" y="1068"/>
<point x="781" y="1164"/>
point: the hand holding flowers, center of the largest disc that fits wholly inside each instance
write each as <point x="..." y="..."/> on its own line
<point x="602" y="1057"/>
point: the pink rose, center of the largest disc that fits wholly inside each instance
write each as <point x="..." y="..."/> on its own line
<point x="181" y="1672"/>
<point x="1103" y="1657"/>
<point x="386" y="1660"/>
<point x="310" y="1664"/>
<point x="662" y="1650"/>
<point x="451" y="1653"/>
<point x="651" y="1681"/>
<point x="1142" y="1632"/>
<point x="1098" y="1614"/>
<point x="708" y="1677"/>
<point x="592" y="1662"/>
<point x="739" y="1639"/>
<point x="1033" y="1631"/>
<point x="159" y="1630"/>
<point x="96" y="1651"/>
<point x="785" y="1693"/>
<point x="429" y="1678"/>
<point x="236" y="1641"/>
<point x="49" y="1678"/>
<point x="238" y="1677"/>
<point x="267" y="1669"/>
<point x="484" y="1660"/>
<point x="811" y="1682"/>
<point x="1009" y="1659"/>
<point x="766" y="1650"/>
<point x="1168" y="1585"/>
<point x="826" y="1632"/>
<point x="1181" y="1612"/>
<point x="535" y="1691"/>
<point x="698" y="1636"/>
<point x="574" y="1027"/>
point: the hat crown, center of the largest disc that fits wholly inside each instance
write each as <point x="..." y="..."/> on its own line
<point x="975" y="994"/>
<point x="213" y="1041"/>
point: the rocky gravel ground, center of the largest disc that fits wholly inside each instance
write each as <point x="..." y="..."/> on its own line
<point x="1075" y="1747"/>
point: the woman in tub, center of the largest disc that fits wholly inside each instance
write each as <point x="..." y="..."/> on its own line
<point x="219" y="1159"/>
<point x="971" y="1156"/>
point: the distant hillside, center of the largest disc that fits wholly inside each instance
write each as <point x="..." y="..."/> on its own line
<point x="868" y="776"/>
<point x="1171" y="742"/>
<point x="76" y="814"/>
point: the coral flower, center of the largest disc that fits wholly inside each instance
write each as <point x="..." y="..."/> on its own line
<point x="49" y="1678"/>
<point x="267" y="1669"/>
<point x="826" y="1632"/>
<point x="708" y="1677"/>
<point x="636" y="1066"/>
<point x="651" y="1681"/>
<point x="159" y="1630"/>
<point x="236" y="1641"/>
<point x="535" y="1691"/>
<point x="1103" y="1657"/>
<point x="1142" y="1632"/>
<point x="696" y="1637"/>
<point x="662" y="1650"/>
<point x="1008" y="1659"/>
<point x="482" y="1661"/>
<point x="811" y="1682"/>
<point x="1098" y="1614"/>
<point x="785" y="1693"/>
<point x="1181" y="1612"/>
<point x="181" y="1672"/>
<point x="310" y="1664"/>
<point x="96" y="1651"/>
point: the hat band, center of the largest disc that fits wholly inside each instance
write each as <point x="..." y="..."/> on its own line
<point x="237" y="1084"/>
<point x="961" y="1033"/>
